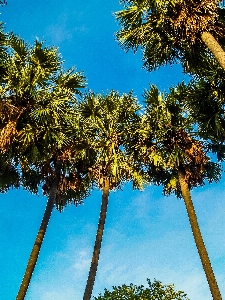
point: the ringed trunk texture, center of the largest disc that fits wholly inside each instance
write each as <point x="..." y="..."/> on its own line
<point x="98" y="241"/>
<point x="40" y="236"/>
<point x="198" y="237"/>
<point x="214" y="47"/>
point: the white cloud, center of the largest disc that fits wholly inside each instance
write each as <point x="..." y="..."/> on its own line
<point x="58" y="294"/>
<point x="82" y="263"/>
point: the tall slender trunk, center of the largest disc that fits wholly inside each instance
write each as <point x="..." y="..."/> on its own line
<point x="40" y="236"/>
<point x="214" y="47"/>
<point x="98" y="241"/>
<point x="198" y="237"/>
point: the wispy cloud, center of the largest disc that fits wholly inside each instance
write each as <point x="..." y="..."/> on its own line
<point x="65" y="28"/>
<point x="82" y="263"/>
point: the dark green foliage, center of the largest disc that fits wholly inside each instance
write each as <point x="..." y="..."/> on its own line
<point x="155" y="291"/>
<point x="31" y="179"/>
<point x="203" y="100"/>
<point x="9" y="175"/>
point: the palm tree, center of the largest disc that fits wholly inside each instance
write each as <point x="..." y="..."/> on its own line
<point x="172" y="147"/>
<point x="37" y="106"/>
<point x="106" y="120"/>
<point x="172" y="30"/>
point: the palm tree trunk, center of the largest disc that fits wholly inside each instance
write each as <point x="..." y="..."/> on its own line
<point x="40" y="236"/>
<point x="214" y="47"/>
<point x="98" y="241"/>
<point x="198" y="237"/>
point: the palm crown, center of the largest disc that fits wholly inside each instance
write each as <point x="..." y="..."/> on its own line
<point x="36" y="91"/>
<point x="106" y="121"/>
<point x="170" y="30"/>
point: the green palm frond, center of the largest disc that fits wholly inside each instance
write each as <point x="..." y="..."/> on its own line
<point x="105" y="124"/>
<point x="19" y="47"/>
<point x="70" y="80"/>
<point x="46" y="58"/>
<point x="3" y="44"/>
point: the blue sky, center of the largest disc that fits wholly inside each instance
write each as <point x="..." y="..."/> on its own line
<point x="147" y="235"/>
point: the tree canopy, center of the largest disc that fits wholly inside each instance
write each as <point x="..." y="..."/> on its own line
<point x="156" y="290"/>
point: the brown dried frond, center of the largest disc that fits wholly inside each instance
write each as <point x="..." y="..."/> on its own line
<point x="99" y="172"/>
<point x="177" y="138"/>
<point x="8" y="111"/>
<point x="196" y="161"/>
<point x="194" y="17"/>
<point x="196" y="154"/>
<point x="7" y="134"/>
<point x="68" y="153"/>
<point x="195" y="158"/>
<point x="102" y="173"/>
<point x="72" y="181"/>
